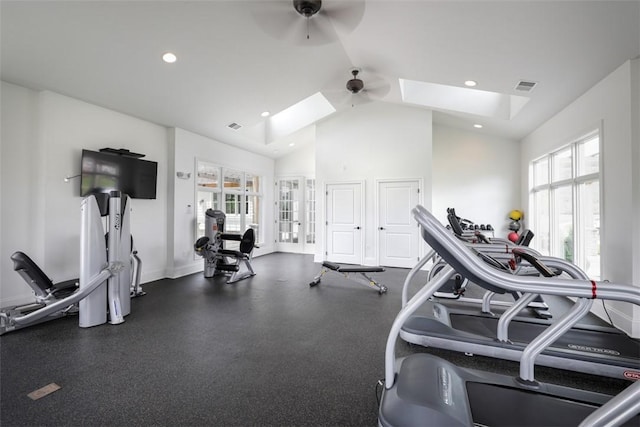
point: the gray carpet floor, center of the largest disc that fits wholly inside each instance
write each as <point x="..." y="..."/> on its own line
<point x="264" y="351"/>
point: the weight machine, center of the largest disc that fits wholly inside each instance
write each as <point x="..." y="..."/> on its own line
<point x="109" y="272"/>
<point x="217" y="259"/>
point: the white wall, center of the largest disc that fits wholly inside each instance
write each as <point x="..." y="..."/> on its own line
<point x="186" y="148"/>
<point x="43" y="134"/>
<point x="301" y="162"/>
<point x="21" y="219"/>
<point x="609" y="103"/>
<point x="477" y="174"/>
<point x="369" y="142"/>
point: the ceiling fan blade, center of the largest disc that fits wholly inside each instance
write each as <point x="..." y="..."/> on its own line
<point x="276" y="18"/>
<point x="337" y="97"/>
<point x="374" y="84"/>
<point x="378" y="89"/>
<point x="360" y="98"/>
<point x="319" y="32"/>
<point x="345" y="15"/>
<point x="280" y="20"/>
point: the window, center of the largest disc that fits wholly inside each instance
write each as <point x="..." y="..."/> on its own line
<point x="565" y="203"/>
<point x="235" y="192"/>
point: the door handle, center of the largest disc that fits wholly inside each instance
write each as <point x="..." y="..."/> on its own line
<point x="380" y="228"/>
<point x="357" y="227"/>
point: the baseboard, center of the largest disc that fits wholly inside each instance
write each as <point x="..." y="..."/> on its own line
<point x="370" y="262"/>
<point x="185" y="270"/>
<point x="620" y="320"/>
<point x="152" y="276"/>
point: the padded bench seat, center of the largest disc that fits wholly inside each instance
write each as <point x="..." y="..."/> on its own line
<point x="357" y="273"/>
<point x="352" y="268"/>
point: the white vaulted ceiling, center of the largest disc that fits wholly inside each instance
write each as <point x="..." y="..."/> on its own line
<point x="237" y="59"/>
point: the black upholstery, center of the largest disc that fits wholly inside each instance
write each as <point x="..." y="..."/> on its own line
<point x="525" y="238"/>
<point x="22" y="263"/>
<point x="248" y="241"/>
<point x="454" y="222"/>
<point x="34" y="275"/>
<point x="352" y="268"/>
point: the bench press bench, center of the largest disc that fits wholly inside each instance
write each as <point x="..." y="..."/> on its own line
<point x="359" y="272"/>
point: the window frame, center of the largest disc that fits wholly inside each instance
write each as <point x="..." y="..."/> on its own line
<point x="575" y="182"/>
<point x="241" y="192"/>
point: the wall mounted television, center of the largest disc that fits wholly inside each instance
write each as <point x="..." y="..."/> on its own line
<point x="106" y="170"/>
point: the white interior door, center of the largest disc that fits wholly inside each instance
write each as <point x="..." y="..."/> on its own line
<point x="398" y="232"/>
<point x="344" y="223"/>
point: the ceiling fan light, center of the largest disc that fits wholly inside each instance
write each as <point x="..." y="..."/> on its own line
<point x="355" y="85"/>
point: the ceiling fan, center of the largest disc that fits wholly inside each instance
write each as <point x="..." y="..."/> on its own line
<point x="357" y="92"/>
<point x="308" y="22"/>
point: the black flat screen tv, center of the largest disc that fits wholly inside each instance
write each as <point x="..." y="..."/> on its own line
<point x="102" y="172"/>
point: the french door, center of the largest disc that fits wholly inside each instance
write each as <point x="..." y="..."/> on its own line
<point x="295" y="214"/>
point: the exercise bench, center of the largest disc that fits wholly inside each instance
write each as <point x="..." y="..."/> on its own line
<point x="359" y="274"/>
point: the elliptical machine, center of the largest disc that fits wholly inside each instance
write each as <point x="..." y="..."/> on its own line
<point x="106" y="281"/>
<point x="217" y="260"/>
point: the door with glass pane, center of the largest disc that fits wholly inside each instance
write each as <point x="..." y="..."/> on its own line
<point x="289" y="217"/>
<point x="309" y="216"/>
<point x="295" y="214"/>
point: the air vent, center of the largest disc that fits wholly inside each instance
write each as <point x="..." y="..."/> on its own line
<point x="234" y="126"/>
<point x="525" y="86"/>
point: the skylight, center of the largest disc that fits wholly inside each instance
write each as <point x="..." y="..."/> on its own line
<point x="463" y="100"/>
<point x="297" y="116"/>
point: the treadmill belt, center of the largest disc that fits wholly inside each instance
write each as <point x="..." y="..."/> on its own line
<point x="496" y="406"/>
<point x="593" y="342"/>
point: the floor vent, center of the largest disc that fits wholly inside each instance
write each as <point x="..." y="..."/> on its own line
<point x="525" y="86"/>
<point x="234" y="126"/>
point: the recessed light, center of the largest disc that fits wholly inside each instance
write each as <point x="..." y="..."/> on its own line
<point x="477" y="126"/>
<point x="265" y="114"/>
<point x="291" y="144"/>
<point x="470" y="83"/>
<point x="169" y="58"/>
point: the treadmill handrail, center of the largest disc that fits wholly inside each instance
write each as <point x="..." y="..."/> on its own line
<point x="459" y="258"/>
<point x="560" y="264"/>
<point x="418" y="299"/>
<point x="466" y="263"/>
<point x="618" y="410"/>
<point x="405" y="287"/>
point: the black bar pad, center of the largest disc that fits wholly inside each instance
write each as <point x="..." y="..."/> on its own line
<point x="231" y="236"/>
<point x="331" y="266"/>
<point x="361" y="269"/>
<point x="227" y="267"/>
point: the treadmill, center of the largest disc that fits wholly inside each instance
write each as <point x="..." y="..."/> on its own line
<point x="604" y="351"/>
<point x="499" y="248"/>
<point x="422" y="389"/>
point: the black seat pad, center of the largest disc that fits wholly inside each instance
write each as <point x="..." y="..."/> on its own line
<point x="352" y="269"/>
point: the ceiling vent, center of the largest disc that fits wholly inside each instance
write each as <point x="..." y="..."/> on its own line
<point x="525" y="86"/>
<point x="234" y="126"/>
